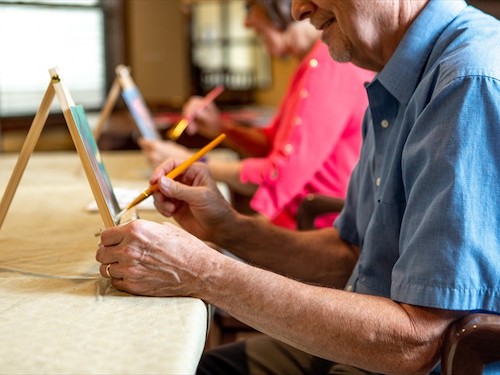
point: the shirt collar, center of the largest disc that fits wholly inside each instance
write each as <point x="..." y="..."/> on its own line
<point x="402" y="72"/>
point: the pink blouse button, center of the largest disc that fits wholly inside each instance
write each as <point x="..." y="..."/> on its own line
<point x="288" y="148"/>
<point x="313" y="63"/>
<point x="273" y="175"/>
<point x="304" y="93"/>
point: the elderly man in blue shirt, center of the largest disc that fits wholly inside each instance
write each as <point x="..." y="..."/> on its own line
<point x="417" y="244"/>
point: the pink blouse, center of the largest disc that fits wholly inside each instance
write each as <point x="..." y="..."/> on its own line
<point x="316" y="138"/>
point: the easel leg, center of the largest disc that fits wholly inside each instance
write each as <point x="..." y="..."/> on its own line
<point x="114" y="93"/>
<point x="26" y="151"/>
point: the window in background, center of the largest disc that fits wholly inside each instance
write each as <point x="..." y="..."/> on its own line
<point x="223" y="50"/>
<point x="38" y="35"/>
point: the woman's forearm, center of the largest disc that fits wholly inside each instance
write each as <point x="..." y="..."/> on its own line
<point x="229" y="172"/>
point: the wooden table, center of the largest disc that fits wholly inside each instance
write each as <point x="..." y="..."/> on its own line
<point x="57" y="314"/>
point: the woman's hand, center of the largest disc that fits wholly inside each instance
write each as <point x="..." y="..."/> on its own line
<point x="206" y="121"/>
<point x="157" y="151"/>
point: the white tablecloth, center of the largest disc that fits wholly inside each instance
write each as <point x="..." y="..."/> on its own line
<point x="57" y="314"/>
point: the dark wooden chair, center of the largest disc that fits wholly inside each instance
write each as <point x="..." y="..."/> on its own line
<point x="315" y="205"/>
<point x="472" y="342"/>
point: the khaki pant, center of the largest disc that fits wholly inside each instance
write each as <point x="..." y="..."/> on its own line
<point x="263" y="355"/>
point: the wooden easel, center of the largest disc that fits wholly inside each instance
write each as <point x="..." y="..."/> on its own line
<point x="125" y="85"/>
<point x="84" y="143"/>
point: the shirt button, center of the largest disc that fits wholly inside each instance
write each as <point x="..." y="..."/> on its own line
<point x="304" y="93"/>
<point x="348" y="288"/>
<point x="274" y="175"/>
<point x="313" y="63"/>
<point x="377" y="181"/>
<point x="384" y="124"/>
<point x="298" y="120"/>
<point x="288" y="148"/>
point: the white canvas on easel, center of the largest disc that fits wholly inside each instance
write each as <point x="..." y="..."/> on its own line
<point x="136" y="105"/>
<point x="85" y="145"/>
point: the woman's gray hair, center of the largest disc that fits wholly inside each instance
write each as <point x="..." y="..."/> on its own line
<point x="278" y="11"/>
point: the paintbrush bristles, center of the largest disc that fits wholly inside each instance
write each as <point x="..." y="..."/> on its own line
<point x="139" y="198"/>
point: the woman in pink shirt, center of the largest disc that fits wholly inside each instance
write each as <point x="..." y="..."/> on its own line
<point x="312" y="143"/>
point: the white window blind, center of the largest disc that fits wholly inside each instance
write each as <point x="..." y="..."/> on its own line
<point x="38" y="35"/>
<point x="225" y="50"/>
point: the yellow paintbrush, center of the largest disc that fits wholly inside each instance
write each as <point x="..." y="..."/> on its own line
<point x="174" y="173"/>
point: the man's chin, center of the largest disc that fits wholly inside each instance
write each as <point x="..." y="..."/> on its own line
<point x="341" y="56"/>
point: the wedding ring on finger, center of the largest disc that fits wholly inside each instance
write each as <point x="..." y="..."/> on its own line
<point x="107" y="271"/>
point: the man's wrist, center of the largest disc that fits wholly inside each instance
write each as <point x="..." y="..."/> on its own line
<point x="229" y="237"/>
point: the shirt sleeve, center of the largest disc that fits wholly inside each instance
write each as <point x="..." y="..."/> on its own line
<point x="451" y="172"/>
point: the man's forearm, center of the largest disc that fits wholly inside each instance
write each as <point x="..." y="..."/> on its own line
<point x="318" y="257"/>
<point x="369" y="332"/>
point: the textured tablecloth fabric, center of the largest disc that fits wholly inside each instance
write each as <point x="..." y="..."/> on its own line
<point x="57" y="314"/>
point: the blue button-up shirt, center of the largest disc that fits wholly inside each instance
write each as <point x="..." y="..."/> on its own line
<point x="424" y="200"/>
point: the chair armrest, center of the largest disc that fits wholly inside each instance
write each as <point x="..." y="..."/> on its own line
<point x="471" y="342"/>
<point x="314" y="205"/>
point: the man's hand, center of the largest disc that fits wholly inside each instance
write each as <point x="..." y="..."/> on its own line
<point x="194" y="201"/>
<point x="153" y="259"/>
